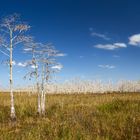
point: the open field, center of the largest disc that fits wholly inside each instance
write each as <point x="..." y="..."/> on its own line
<point x="72" y="117"/>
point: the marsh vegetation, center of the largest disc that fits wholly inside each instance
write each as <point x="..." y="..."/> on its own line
<point x="72" y="117"/>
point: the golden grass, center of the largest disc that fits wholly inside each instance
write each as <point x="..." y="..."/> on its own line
<point x="72" y="117"/>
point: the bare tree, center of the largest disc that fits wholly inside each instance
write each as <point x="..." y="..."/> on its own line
<point x="34" y="49"/>
<point x="42" y="62"/>
<point x="12" y="34"/>
<point x="47" y="61"/>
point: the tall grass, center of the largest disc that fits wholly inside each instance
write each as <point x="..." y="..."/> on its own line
<point x="72" y="117"/>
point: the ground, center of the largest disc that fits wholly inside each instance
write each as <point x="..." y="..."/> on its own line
<point x="114" y="116"/>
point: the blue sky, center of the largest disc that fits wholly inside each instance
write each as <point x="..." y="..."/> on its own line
<point x="100" y="37"/>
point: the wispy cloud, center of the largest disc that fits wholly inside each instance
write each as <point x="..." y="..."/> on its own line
<point x="81" y="56"/>
<point x="27" y="49"/>
<point x="61" y="54"/>
<point x="134" y="40"/>
<point x="111" y="46"/>
<point x="116" y="56"/>
<point x="59" y="67"/>
<point x="100" y="35"/>
<point x="107" y="66"/>
<point x="94" y="34"/>
<point x="20" y="64"/>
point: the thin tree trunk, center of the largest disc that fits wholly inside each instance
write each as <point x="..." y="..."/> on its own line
<point x="39" y="102"/>
<point x="13" y="115"/>
<point x="38" y="90"/>
<point x="42" y="92"/>
<point x="44" y="102"/>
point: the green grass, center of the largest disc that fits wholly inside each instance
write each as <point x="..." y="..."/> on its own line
<point x="72" y="117"/>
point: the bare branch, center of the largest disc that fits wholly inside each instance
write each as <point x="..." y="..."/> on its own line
<point x="21" y="27"/>
<point x="3" y="42"/>
<point x="14" y="29"/>
<point x="22" y="39"/>
<point x="10" y="21"/>
<point x="4" y="53"/>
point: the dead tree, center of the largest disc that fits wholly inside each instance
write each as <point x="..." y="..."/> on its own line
<point x="12" y="34"/>
<point x="47" y="62"/>
<point x="42" y="62"/>
<point x="34" y="49"/>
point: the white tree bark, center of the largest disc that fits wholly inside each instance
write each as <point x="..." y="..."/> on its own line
<point x="38" y="89"/>
<point x="39" y="99"/>
<point x="13" y="115"/>
<point x="42" y="92"/>
<point x="12" y="35"/>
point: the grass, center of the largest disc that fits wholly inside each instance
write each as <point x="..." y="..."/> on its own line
<point x="72" y="117"/>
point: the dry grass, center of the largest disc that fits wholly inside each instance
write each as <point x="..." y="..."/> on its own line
<point x="72" y="117"/>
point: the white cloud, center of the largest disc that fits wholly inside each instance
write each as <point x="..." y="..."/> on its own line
<point x="27" y="49"/>
<point x="14" y="63"/>
<point x="61" y="54"/>
<point x="111" y="46"/>
<point x="120" y="45"/>
<point x="100" y="36"/>
<point x="21" y="64"/>
<point x="107" y="66"/>
<point x="134" y="40"/>
<point x="59" y="67"/>
<point x="33" y="66"/>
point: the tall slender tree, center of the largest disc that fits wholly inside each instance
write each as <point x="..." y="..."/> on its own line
<point x="34" y="49"/>
<point x="12" y="34"/>
<point x="47" y="61"/>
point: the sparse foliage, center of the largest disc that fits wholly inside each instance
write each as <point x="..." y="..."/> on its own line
<point x="12" y="34"/>
<point x="41" y="68"/>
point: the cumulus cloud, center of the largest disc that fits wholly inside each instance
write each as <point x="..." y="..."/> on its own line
<point x="94" y="34"/>
<point x="134" y="40"/>
<point x="107" y="66"/>
<point x="59" y="67"/>
<point x="111" y="46"/>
